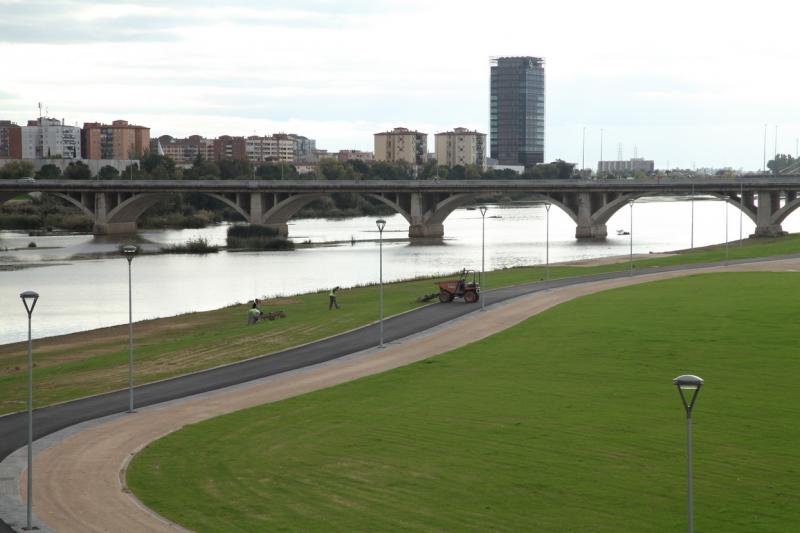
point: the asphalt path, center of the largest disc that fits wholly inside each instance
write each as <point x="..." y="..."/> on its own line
<point x="47" y="420"/>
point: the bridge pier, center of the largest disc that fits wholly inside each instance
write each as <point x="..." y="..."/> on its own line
<point x="768" y="203"/>
<point x="425" y="231"/>
<point x="281" y="228"/>
<point x="114" y="228"/>
<point x="597" y="232"/>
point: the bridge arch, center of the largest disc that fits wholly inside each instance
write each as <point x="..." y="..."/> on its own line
<point x="558" y="203"/>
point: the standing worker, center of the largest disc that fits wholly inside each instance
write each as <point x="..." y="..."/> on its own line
<point x="332" y="296"/>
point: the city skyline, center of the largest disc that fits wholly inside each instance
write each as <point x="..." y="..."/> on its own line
<point x="685" y="86"/>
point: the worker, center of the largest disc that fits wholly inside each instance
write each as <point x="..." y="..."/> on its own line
<point x="254" y="314"/>
<point x="332" y="299"/>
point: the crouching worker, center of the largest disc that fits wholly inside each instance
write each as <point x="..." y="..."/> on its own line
<point x="253" y="314"/>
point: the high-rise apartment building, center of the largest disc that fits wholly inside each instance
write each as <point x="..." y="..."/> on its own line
<point x="278" y="147"/>
<point x="10" y="140"/>
<point x="461" y="147"/>
<point x="304" y="148"/>
<point x="227" y="147"/>
<point x="516" y="109"/>
<point x="350" y="155"/>
<point x="401" y="144"/>
<point x="118" y="140"/>
<point x="185" y="151"/>
<point x="45" y="138"/>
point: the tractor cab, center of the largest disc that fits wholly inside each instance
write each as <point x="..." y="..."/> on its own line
<point x="466" y="287"/>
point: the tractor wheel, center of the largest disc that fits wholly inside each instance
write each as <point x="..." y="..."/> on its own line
<point x="445" y="296"/>
<point x="471" y="297"/>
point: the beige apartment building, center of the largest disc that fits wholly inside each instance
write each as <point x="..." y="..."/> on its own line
<point x="119" y="140"/>
<point x="185" y="151"/>
<point x="401" y="144"/>
<point x="461" y="147"/>
<point x="278" y="147"/>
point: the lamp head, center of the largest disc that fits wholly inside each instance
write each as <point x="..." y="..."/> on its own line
<point x="381" y="224"/>
<point x="29" y="299"/>
<point x="547" y="206"/>
<point x="688" y="386"/>
<point x="129" y="251"/>
<point x="483" y="210"/>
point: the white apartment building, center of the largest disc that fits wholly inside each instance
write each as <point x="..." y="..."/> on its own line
<point x="461" y="147"/>
<point x="46" y="138"/>
<point x="401" y="144"/>
<point x="278" y="147"/>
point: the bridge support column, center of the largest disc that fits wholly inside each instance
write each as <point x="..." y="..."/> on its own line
<point x="425" y="231"/>
<point x="419" y="229"/>
<point x="768" y="203"/>
<point x="114" y="228"/>
<point x="282" y="229"/>
<point x="588" y="228"/>
<point x="256" y="207"/>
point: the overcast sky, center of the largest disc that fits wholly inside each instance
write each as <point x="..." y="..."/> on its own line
<point x="685" y="82"/>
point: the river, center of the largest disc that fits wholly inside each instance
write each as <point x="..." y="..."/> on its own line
<point x="79" y="293"/>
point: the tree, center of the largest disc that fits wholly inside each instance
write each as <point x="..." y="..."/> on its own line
<point x="49" y="172"/>
<point x="17" y="169"/>
<point x="108" y="173"/>
<point x="77" y="170"/>
<point x="230" y="169"/>
<point x="157" y="166"/>
<point x="781" y="163"/>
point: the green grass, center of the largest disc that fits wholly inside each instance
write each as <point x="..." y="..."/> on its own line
<point x="77" y="365"/>
<point x="566" y="422"/>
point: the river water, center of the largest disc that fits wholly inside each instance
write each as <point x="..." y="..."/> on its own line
<point x="79" y="293"/>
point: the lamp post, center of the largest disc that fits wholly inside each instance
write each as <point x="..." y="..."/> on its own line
<point x="630" y="272"/>
<point x="689" y="384"/>
<point x="741" y="211"/>
<point x="129" y="252"/>
<point x="725" y="203"/>
<point x="547" y="241"/>
<point x="29" y="299"/>
<point x="381" y="224"/>
<point x="483" y="252"/>
<point x="692" y="202"/>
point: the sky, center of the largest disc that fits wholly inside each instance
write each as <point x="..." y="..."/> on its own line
<point x="686" y="83"/>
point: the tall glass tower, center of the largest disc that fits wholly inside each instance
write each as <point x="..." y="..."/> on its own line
<point x="516" y="108"/>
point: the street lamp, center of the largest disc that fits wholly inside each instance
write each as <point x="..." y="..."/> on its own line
<point x="381" y="224"/>
<point x="689" y="385"/>
<point x="547" y="242"/>
<point x="692" y="201"/>
<point x="630" y="273"/>
<point x="129" y="252"/>
<point x="29" y="299"/>
<point x="483" y="251"/>
<point x="725" y="203"/>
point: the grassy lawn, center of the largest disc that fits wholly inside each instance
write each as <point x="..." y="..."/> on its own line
<point x="566" y="422"/>
<point x="81" y="364"/>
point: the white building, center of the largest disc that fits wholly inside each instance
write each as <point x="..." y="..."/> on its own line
<point x="278" y="147"/>
<point x="45" y="138"/>
<point x="461" y="147"/>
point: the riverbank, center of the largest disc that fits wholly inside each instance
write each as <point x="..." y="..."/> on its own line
<point x="90" y="362"/>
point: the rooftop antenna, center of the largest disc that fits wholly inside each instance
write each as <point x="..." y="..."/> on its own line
<point x="619" y="152"/>
<point x="635" y="151"/>
<point x="776" y="141"/>
<point x="40" y="111"/>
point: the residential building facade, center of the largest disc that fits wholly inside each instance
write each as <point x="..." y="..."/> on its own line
<point x="185" y="151"/>
<point x="118" y="140"/>
<point x="349" y="155"/>
<point x="278" y="147"/>
<point x="227" y="147"/>
<point x="516" y="110"/>
<point x="46" y="138"/>
<point x="461" y="147"/>
<point x="401" y="144"/>
<point x="10" y="140"/>
<point x="304" y="148"/>
<point x="636" y="164"/>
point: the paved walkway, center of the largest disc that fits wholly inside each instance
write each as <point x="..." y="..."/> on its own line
<point x="80" y="479"/>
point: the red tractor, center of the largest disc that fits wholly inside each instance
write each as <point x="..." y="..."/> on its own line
<point x="462" y="287"/>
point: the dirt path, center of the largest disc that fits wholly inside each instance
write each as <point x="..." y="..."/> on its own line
<point x="80" y="480"/>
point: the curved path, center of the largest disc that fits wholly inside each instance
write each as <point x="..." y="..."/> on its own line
<point x="78" y="481"/>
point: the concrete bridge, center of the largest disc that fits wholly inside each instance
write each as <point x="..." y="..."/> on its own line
<point x="116" y="205"/>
